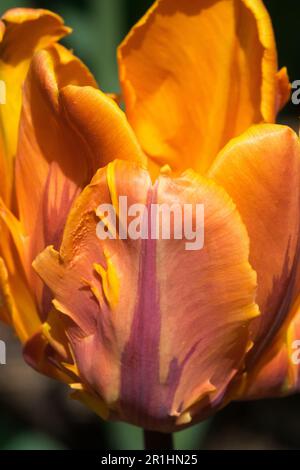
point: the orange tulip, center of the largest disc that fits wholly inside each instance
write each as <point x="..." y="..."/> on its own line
<point x="144" y="330"/>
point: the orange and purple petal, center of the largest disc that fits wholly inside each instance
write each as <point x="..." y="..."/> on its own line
<point x="155" y="348"/>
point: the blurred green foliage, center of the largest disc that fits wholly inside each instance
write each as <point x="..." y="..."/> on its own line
<point x="98" y="28"/>
<point x="125" y="437"/>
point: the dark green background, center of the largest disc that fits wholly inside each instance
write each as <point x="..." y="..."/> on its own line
<point x="43" y="417"/>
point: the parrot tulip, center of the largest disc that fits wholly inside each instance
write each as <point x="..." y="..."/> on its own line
<point x="144" y="330"/>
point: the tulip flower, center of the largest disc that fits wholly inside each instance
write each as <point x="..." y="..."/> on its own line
<point x="144" y="330"/>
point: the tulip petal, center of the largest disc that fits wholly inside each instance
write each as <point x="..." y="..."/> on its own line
<point x="195" y="74"/>
<point x="47" y="350"/>
<point x="22" y="32"/>
<point x="5" y="294"/>
<point x="284" y="88"/>
<point x="261" y="172"/>
<point x="61" y="146"/>
<point x="150" y="344"/>
<point x="205" y="320"/>
<point x="16" y="305"/>
<point x="102" y="124"/>
<point x="45" y="136"/>
<point x="19" y="307"/>
<point x="11" y="225"/>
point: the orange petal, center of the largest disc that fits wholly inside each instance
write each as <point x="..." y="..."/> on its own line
<point x="100" y="122"/>
<point x="13" y="228"/>
<point x="5" y="294"/>
<point x="156" y="330"/>
<point x="48" y="352"/>
<point x="195" y="74"/>
<point x="66" y="134"/>
<point x="63" y="140"/>
<point x="20" y="309"/>
<point x="22" y="32"/>
<point x="16" y="304"/>
<point x="46" y="135"/>
<point x="261" y="172"/>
